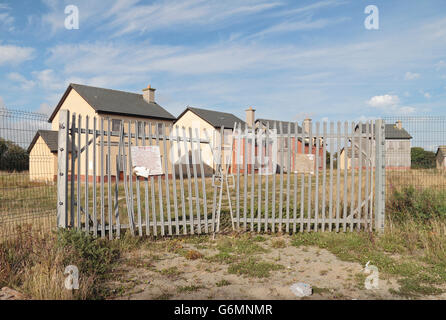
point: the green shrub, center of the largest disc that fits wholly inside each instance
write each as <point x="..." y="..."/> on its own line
<point x="13" y="157"/>
<point x="422" y="159"/>
<point x="411" y="203"/>
<point x="90" y="255"/>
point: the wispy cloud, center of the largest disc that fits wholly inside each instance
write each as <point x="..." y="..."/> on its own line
<point x="11" y="54"/>
<point x="24" y="83"/>
<point x="411" y="76"/>
<point x="6" y="19"/>
<point x="301" y="25"/>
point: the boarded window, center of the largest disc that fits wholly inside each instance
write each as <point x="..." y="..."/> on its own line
<point x="116" y="124"/>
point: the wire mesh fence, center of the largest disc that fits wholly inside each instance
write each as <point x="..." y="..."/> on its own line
<point x="415" y="152"/>
<point x="28" y="164"/>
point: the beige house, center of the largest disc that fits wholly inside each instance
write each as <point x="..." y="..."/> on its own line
<point x="209" y="124"/>
<point x="398" y="148"/>
<point x="441" y="157"/>
<point x="92" y="103"/>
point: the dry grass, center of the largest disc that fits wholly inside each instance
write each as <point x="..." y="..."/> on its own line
<point x="35" y="265"/>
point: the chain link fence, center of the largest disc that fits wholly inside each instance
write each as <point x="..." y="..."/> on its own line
<point x="416" y="152"/>
<point x="27" y="173"/>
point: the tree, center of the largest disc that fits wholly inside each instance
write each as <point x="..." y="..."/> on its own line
<point x="422" y="159"/>
<point x="13" y="157"/>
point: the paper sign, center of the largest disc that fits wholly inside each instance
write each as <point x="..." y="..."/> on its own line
<point x="146" y="161"/>
<point x="304" y="163"/>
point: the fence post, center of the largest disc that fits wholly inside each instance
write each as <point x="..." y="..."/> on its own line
<point x="380" y="176"/>
<point x="62" y="169"/>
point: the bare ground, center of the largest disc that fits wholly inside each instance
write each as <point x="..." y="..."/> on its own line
<point x="169" y="273"/>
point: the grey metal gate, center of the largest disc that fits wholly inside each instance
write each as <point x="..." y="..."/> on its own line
<point x="314" y="177"/>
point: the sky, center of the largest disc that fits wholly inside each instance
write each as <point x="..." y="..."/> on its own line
<point x="288" y="59"/>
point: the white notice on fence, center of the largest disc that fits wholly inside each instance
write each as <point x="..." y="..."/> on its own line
<point x="304" y="163"/>
<point x="146" y="161"/>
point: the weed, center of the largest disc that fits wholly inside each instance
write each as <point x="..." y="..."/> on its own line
<point x="193" y="255"/>
<point x="223" y="283"/>
<point x="191" y="288"/>
<point x="278" y="243"/>
<point x="254" y="268"/>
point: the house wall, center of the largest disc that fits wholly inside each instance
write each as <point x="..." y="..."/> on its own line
<point x="441" y="161"/>
<point x="42" y="163"/>
<point x="206" y="131"/>
<point x="398" y="155"/>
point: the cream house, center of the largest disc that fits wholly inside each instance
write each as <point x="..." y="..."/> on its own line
<point x="441" y="158"/>
<point x="209" y="124"/>
<point x="398" y="148"/>
<point x="96" y="104"/>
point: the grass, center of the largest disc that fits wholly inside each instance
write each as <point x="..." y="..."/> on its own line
<point x="35" y="265"/>
<point x="223" y="283"/>
<point x="254" y="268"/>
<point x="191" y="288"/>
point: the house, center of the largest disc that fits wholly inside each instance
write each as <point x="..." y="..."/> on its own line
<point x="99" y="103"/>
<point x="398" y="147"/>
<point x="283" y="146"/>
<point x="43" y="156"/>
<point x="209" y="124"/>
<point x="441" y="157"/>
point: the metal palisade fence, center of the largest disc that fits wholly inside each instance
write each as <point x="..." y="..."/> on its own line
<point x="151" y="178"/>
<point x="314" y="177"/>
<point x="99" y="192"/>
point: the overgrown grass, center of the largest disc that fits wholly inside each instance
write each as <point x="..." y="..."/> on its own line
<point x="35" y="265"/>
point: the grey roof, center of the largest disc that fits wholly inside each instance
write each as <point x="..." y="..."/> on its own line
<point x="116" y="102"/>
<point x="215" y="118"/>
<point x="50" y="138"/>
<point x="281" y="125"/>
<point x="391" y="131"/>
<point x="442" y="150"/>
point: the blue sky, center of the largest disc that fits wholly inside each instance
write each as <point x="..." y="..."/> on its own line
<point x="288" y="59"/>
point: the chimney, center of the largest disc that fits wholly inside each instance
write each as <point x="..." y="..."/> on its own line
<point x="399" y="124"/>
<point x="306" y="125"/>
<point x="149" y="94"/>
<point x="250" y="117"/>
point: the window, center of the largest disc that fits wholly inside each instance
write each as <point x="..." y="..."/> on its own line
<point x="116" y="125"/>
<point x="159" y="127"/>
<point x="140" y="127"/>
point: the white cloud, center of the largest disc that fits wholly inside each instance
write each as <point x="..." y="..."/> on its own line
<point x="45" y="108"/>
<point x="6" y="20"/>
<point x="406" y="110"/>
<point x="390" y="104"/>
<point x="11" y="54"/>
<point x="48" y="80"/>
<point x="316" y="6"/>
<point x="24" y="83"/>
<point x="384" y="101"/>
<point x="134" y="16"/>
<point x="301" y="25"/>
<point x="411" y="76"/>
<point x="427" y="95"/>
